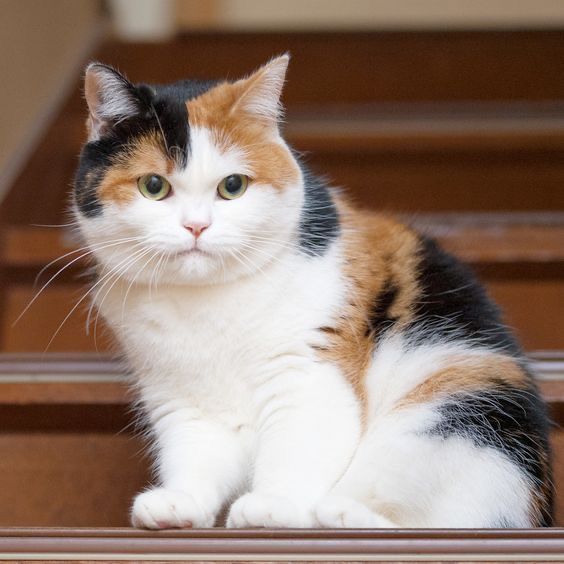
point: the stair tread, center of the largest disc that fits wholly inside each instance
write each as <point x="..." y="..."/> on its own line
<point x="89" y="379"/>
<point x="229" y="544"/>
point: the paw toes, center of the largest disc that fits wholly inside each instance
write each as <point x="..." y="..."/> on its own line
<point x="337" y="512"/>
<point x="167" y="509"/>
<point x="254" y="510"/>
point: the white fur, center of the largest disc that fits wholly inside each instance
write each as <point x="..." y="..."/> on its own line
<point x="242" y="409"/>
<point x="416" y="479"/>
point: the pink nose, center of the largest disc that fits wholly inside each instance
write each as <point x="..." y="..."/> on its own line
<point x="196" y="228"/>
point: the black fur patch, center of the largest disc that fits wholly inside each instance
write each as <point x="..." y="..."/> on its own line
<point x="319" y="224"/>
<point x="169" y="103"/>
<point x="162" y="111"/>
<point x="380" y="319"/>
<point x="454" y="305"/>
<point x="95" y="159"/>
<point x="508" y="419"/>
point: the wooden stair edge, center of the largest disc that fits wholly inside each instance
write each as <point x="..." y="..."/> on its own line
<point x="281" y="544"/>
<point x="88" y="379"/>
<point x="451" y="127"/>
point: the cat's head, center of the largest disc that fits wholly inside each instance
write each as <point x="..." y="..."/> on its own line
<point x="189" y="182"/>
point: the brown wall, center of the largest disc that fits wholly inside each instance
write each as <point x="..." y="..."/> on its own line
<point x="369" y="14"/>
<point x="41" y="45"/>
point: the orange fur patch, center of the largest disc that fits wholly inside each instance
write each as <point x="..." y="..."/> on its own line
<point x="378" y="251"/>
<point x="218" y="110"/>
<point x="144" y="156"/>
<point x="466" y="374"/>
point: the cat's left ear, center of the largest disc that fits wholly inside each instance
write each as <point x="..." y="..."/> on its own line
<point x="111" y="98"/>
<point x="261" y="91"/>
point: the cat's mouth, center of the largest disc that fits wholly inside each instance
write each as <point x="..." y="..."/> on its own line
<point x="193" y="252"/>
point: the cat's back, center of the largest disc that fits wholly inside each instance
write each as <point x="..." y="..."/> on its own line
<point x="407" y="282"/>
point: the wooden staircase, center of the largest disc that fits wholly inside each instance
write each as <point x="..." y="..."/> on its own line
<point x="462" y="134"/>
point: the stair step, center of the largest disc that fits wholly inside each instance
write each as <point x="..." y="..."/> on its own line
<point x="70" y="438"/>
<point x="99" y="379"/>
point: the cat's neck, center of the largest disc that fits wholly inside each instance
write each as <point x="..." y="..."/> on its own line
<point x="271" y="281"/>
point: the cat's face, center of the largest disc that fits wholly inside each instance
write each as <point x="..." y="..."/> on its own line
<point x="188" y="183"/>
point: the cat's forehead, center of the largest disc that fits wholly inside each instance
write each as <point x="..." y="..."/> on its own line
<point x="187" y="105"/>
<point x="169" y="117"/>
<point x="203" y="110"/>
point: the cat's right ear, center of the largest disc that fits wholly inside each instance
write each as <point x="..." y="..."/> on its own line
<point x="111" y="98"/>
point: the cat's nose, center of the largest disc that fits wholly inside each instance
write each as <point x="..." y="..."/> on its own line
<point x="196" y="228"/>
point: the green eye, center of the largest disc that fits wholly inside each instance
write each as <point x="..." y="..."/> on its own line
<point x="233" y="186"/>
<point x="153" y="186"/>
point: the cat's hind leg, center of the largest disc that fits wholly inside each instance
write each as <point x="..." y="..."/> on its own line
<point x="463" y="445"/>
<point x="425" y="481"/>
<point x="339" y="511"/>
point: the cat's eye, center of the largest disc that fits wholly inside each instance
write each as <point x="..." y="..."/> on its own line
<point x="153" y="186"/>
<point x="233" y="186"/>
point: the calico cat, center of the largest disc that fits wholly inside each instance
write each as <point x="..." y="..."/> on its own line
<point x="300" y="362"/>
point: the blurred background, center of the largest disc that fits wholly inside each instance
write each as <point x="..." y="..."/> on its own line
<point x="449" y="113"/>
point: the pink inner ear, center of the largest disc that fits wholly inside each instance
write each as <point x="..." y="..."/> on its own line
<point x="109" y="97"/>
<point x="93" y="100"/>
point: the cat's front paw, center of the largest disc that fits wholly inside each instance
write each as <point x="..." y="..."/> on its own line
<point x="168" y="509"/>
<point x="257" y="510"/>
<point x="335" y="512"/>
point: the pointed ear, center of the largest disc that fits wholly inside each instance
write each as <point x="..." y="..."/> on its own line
<point x="111" y="98"/>
<point x="261" y="91"/>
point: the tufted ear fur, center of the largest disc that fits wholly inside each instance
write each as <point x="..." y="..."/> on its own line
<point x="111" y="98"/>
<point x="261" y="91"/>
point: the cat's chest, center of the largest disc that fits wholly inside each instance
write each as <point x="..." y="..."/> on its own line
<point x="214" y="334"/>
<point x="197" y="334"/>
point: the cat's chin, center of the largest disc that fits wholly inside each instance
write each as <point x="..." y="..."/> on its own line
<point x="196" y="267"/>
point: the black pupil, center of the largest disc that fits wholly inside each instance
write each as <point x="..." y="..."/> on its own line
<point x="154" y="184"/>
<point x="233" y="183"/>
